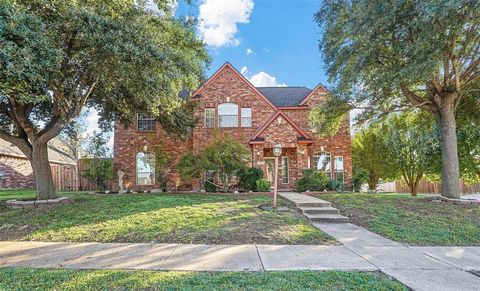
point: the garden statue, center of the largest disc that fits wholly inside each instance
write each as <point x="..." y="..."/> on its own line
<point x="120" y="174"/>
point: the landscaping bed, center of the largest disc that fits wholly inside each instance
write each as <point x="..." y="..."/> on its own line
<point x="159" y="218"/>
<point x="413" y="220"/>
<point x="68" y="279"/>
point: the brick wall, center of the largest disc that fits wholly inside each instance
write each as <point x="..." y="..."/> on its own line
<point x="17" y="172"/>
<point x="129" y="141"/>
<point x="229" y="87"/>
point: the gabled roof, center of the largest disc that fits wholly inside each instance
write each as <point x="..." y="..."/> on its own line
<point x="319" y="86"/>
<point x="285" y="96"/>
<point x="305" y="136"/>
<point x="228" y="65"/>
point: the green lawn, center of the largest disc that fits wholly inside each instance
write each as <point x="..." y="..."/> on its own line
<point x="414" y="220"/>
<point x="160" y="218"/>
<point x="67" y="279"/>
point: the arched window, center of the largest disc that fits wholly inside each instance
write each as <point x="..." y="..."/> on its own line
<point x="322" y="162"/>
<point x="145" y="168"/>
<point x="228" y="115"/>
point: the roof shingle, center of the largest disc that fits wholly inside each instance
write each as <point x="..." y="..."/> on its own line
<point x="285" y="96"/>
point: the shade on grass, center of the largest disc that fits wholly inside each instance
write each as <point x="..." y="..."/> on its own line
<point x="414" y="220"/>
<point x="67" y="279"/>
<point x="160" y="218"/>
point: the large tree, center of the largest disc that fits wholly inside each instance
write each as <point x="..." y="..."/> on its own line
<point x="385" y="56"/>
<point x="120" y="57"/>
<point x="412" y="143"/>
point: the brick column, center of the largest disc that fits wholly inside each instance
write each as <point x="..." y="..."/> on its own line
<point x="302" y="159"/>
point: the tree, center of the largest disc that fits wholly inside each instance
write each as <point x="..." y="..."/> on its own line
<point x="223" y="157"/>
<point x="162" y="167"/>
<point x="369" y="153"/>
<point x="385" y="56"/>
<point x="98" y="162"/>
<point x="412" y="143"/>
<point x="57" y="57"/>
<point x="73" y="136"/>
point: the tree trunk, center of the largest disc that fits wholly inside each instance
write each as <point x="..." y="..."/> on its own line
<point x="372" y="182"/>
<point x="42" y="172"/>
<point x="450" y="165"/>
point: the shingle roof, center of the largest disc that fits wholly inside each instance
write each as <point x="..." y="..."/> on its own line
<point x="55" y="152"/>
<point x="285" y="96"/>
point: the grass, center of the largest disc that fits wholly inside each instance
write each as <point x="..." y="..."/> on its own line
<point x="67" y="279"/>
<point x="413" y="220"/>
<point x="158" y="218"/>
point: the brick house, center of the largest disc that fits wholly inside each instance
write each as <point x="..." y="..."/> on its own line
<point x="227" y="103"/>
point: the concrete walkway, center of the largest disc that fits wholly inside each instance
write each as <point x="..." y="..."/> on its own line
<point x="420" y="268"/>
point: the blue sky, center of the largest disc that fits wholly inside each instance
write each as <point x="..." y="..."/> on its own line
<point x="276" y="37"/>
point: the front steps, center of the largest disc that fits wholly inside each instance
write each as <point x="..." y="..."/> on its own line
<point x="316" y="210"/>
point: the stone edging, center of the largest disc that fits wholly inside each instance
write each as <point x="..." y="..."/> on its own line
<point x="457" y="201"/>
<point x="39" y="203"/>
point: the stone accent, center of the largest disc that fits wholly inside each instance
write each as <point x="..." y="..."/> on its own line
<point x="39" y="203"/>
<point x="457" y="201"/>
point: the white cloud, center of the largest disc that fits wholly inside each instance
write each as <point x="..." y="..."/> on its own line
<point x="263" y="79"/>
<point x="265" y="50"/>
<point x="249" y="51"/>
<point x="152" y="6"/>
<point x="244" y="71"/>
<point x="218" y="20"/>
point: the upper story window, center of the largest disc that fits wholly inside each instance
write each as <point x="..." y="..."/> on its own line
<point x="209" y="117"/>
<point x="145" y="122"/>
<point x="322" y="162"/>
<point x="246" y="117"/>
<point x="228" y="115"/>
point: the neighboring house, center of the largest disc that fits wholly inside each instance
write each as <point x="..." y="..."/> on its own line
<point x="16" y="171"/>
<point x="256" y="117"/>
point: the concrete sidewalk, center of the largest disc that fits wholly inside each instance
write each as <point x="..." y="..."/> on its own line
<point x="185" y="257"/>
<point x="420" y="268"/>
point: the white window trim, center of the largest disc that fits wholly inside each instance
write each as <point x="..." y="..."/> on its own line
<point x="241" y="117"/>
<point x="335" y="170"/>
<point x="315" y="158"/>
<point x="281" y="167"/>
<point x="205" y="117"/>
<point x="237" y="115"/>
<point x="151" y="118"/>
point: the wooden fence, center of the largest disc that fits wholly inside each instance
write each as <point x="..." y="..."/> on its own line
<point x="427" y="187"/>
<point x="65" y="177"/>
<point x="84" y="184"/>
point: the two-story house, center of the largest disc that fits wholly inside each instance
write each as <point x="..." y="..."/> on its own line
<point x="257" y="117"/>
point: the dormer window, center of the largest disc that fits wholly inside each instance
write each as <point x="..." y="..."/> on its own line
<point x="228" y="115"/>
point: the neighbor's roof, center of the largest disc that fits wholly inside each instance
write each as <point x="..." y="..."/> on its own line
<point x="285" y="96"/>
<point x="55" y="153"/>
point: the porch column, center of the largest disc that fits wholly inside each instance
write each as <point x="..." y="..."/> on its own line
<point x="258" y="160"/>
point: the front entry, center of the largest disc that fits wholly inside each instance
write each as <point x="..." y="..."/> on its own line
<point x="283" y="171"/>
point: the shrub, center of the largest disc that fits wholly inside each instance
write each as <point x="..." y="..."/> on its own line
<point x="335" y="185"/>
<point x="249" y="178"/>
<point x="262" y="185"/>
<point x="312" y="181"/>
<point x="209" y="186"/>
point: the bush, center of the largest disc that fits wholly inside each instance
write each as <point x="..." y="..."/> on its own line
<point x="312" y="181"/>
<point x="262" y="185"/>
<point x="335" y="185"/>
<point x="249" y="178"/>
<point x="210" y="186"/>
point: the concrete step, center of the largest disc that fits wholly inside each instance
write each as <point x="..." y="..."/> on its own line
<point x="327" y="218"/>
<point x="319" y="210"/>
<point x="314" y="204"/>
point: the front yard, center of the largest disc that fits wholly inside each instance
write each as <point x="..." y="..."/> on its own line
<point x="158" y="218"/>
<point x="413" y="220"/>
<point x="65" y="279"/>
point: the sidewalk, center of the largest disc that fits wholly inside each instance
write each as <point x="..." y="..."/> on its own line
<point x="420" y="268"/>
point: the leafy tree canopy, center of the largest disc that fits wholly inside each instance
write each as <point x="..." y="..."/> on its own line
<point x="116" y="56"/>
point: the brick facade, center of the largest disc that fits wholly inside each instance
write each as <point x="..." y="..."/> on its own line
<point x="288" y="125"/>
